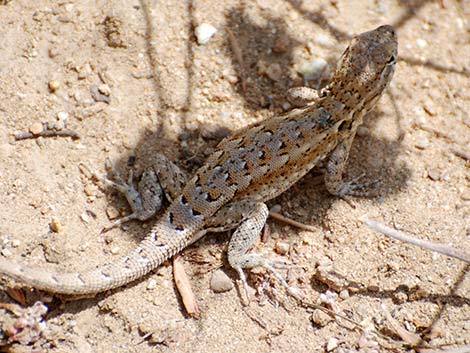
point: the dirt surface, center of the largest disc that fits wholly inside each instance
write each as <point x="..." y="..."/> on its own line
<point x="130" y="78"/>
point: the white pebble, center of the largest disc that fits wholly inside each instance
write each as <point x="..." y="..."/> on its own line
<point x="281" y="247"/>
<point x="6" y="253"/>
<point x="204" y="32"/>
<point x="313" y="69"/>
<point x="115" y="250"/>
<point x="85" y="217"/>
<point x="421" y="43"/>
<point x="220" y="282"/>
<point x="332" y="344"/>
<point x="152" y="284"/>
<point x="62" y="116"/>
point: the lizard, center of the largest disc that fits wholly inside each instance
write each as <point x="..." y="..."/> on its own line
<point x="246" y="169"/>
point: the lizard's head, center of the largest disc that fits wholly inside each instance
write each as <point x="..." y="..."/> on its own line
<point x="366" y="67"/>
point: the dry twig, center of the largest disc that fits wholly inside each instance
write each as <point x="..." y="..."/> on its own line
<point x="436" y="247"/>
<point x="184" y="288"/>
<point x="291" y="222"/>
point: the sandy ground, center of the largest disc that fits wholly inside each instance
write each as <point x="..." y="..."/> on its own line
<point x="131" y="80"/>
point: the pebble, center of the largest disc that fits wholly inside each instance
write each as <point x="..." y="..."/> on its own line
<point x="152" y="284"/>
<point x="56" y="226"/>
<point x="104" y="89"/>
<point x="112" y="212"/>
<point x="332" y="344"/>
<point x="204" y="32"/>
<point x="36" y="128"/>
<point x="84" y="71"/>
<point x="220" y="282"/>
<point x="6" y="252"/>
<point x="90" y="190"/>
<point x="15" y="243"/>
<point x="422" y="143"/>
<point x="281" y="247"/>
<point x="115" y="250"/>
<point x="62" y="116"/>
<point x="85" y="217"/>
<point x="313" y="69"/>
<point x="281" y="45"/>
<point x="274" y="71"/>
<point x="400" y="297"/>
<point x="344" y="294"/>
<point x="421" y="43"/>
<point x="434" y="174"/>
<point x="362" y="131"/>
<point x="320" y="318"/>
<point x="53" y="85"/>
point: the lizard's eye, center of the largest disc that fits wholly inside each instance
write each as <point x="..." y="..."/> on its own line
<point x="392" y="60"/>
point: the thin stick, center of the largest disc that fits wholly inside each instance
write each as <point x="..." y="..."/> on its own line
<point x="284" y="219"/>
<point x="437" y="247"/>
<point x="47" y="133"/>
<point x="184" y="288"/>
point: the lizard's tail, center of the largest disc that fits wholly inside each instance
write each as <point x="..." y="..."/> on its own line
<point x="149" y="254"/>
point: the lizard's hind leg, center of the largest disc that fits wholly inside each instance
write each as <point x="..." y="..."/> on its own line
<point x="163" y="177"/>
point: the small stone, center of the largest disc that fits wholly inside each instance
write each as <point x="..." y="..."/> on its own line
<point x="104" y="89"/>
<point x="362" y="131"/>
<point x="53" y="52"/>
<point x="422" y="144"/>
<point x="281" y="45"/>
<point x="36" y="128"/>
<point x="6" y="252"/>
<point x="115" y="250"/>
<point x="400" y="297"/>
<point x="84" y="71"/>
<point x="373" y="288"/>
<point x="53" y="85"/>
<point x="85" y="217"/>
<point x="434" y="174"/>
<point x="62" y="116"/>
<point x="421" y="43"/>
<point x="313" y="69"/>
<point x="281" y="247"/>
<point x="56" y="226"/>
<point x="332" y="344"/>
<point x="344" y="294"/>
<point x="320" y="318"/>
<point x="220" y="282"/>
<point x="204" y="32"/>
<point x="429" y="107"/>
<point x="152" y="284"/>
<point x="274" y="72"/>
<point x="90" y="190"/>
<point x="112" y="212"/>
<point x="233" y="79"/>
<point x="15" y="243"/>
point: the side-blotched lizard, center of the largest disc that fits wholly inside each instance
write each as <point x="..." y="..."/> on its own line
<point x="247" y="169"/>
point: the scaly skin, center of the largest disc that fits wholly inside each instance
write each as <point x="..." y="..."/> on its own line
<point x="248" y="168"/>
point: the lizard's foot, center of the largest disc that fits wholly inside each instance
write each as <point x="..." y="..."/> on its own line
<point x="354" y="188"/>
<point x="145" y="200"/>
<point x="256" y="260"/>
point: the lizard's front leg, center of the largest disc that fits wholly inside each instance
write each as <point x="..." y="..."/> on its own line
<point x="335" y="167"/>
